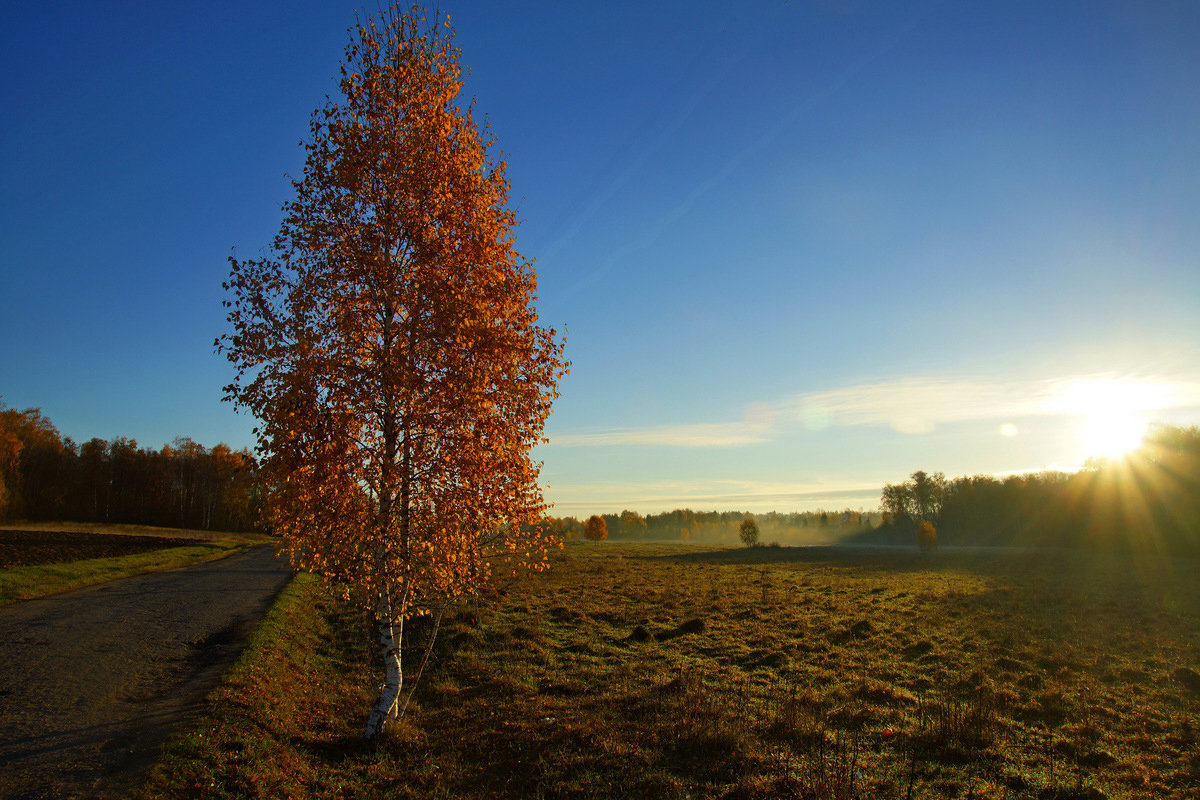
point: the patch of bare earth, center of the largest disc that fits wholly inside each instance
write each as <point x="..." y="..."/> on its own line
<point x="23" y="548"/>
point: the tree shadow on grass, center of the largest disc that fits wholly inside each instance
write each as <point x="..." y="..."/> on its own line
<point x="335" y="749"/>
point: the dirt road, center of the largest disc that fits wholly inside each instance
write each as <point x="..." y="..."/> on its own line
<point x="92" y="682"/>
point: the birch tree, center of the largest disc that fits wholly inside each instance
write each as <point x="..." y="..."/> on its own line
<point x="389" y="346"/>
<point x="748" y="531"/>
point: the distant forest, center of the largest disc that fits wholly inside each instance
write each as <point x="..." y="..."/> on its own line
<point x="44" y="476"/>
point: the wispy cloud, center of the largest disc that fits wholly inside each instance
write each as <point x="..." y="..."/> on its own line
<point x="911" y="405"/>
<point x="717" y="434"/>
<point x="917" y="404"/>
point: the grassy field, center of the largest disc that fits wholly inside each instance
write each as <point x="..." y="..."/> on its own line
<point x="674" y="672"/>
<point x="30" y="581"/>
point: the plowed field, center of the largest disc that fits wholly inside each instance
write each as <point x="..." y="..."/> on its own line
<point x="24" y="548"/>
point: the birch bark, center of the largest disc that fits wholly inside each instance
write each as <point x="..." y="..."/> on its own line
<point x="390" y="619"/>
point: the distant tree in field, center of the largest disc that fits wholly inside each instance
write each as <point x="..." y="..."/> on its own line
<point x="748" y="531"/>
<point x="389" y="346"/>
<point x="595" y="528"/>
<point x="926" y="536"/>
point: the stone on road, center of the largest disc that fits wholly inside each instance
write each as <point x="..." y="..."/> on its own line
<point x="93" y="682"/>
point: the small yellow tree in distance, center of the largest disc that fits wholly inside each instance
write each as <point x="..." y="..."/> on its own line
<point x="926" y="536"/>
<point x="748" y="531"/>
<point x="596" y="528"/>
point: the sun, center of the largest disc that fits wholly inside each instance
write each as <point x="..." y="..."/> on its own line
<point x="1111" y="434"/>
<point x="1111" y="412"/>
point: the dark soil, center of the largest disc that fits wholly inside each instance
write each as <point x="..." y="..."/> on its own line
<point x="25" y="548"/>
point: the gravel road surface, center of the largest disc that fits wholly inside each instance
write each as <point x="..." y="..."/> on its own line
<point x="93" y="682"/>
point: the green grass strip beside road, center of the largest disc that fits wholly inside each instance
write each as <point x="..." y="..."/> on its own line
<point x="40" y="580"/>
<point x="286" y="720"/>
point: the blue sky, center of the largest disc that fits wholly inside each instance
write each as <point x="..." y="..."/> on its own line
<point x="799" y="249"/>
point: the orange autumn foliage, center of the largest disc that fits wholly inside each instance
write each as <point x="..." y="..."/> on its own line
<point x="389" y="344"/>
<point x="595" y="529"/>
<point x="926" y="535"/>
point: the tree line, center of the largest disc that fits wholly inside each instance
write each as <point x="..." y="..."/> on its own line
<point x="684" y="524"/>
<point x="45" y="476"/>
<point x="1149" y="500"/>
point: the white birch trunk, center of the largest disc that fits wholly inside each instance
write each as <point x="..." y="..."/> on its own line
<point x="390" y="619"/>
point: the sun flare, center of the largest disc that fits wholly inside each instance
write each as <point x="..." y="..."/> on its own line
<point x="1112" y="413"/>
<point x="1111" y="434"/>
